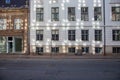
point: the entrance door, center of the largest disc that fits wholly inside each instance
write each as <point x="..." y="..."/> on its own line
<point x="18" y="44"/>
<point x="10" y="45"/>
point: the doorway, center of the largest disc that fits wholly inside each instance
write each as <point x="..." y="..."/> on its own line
<point x="10" y="44"/>
<point x="18" y="44"/>
<point x="14" y="44"/>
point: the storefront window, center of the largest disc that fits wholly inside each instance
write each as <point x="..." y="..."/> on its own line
<point x="2" y="44"/>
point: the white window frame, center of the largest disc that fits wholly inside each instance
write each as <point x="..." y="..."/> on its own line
<point x="3" y="24"/>
<point x="17" y="23"/>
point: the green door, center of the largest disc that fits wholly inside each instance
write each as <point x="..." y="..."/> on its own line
<point x="18" y="44"/>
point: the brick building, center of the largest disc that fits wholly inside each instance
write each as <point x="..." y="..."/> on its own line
<point x="14" y="26"/>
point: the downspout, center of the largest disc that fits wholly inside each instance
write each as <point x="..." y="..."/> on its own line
<point x="104" y="54"/>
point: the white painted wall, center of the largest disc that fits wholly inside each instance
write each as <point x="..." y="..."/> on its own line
<point x="64" y="25"/>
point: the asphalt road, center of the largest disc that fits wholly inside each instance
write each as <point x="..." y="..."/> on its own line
<point x="60" y="69"/>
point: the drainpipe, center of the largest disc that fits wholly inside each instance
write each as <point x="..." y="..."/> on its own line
<point x="104" y="54"/>
<point x="28" y="32"/>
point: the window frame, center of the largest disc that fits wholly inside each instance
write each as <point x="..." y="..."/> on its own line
<point x="39" y="49"/>
<point x="71" y="14"/>
<point x="72" y="35"/>
<point x="55" y="35"/>
<point x="71" y="49"/>
<point x="97" y="14"/>
<point x="39" y="35"/>
<point x="55" y="49"/>
<point x="17" y="23"/>
<point x="40" y="14"/>
<point x="115" y="49"/>
<point x="98" y="50"/>
<point x="84" y="14"/>
<point x="85" y="49"/>
<point x="85" y="35"/>
<point x="115" y="15"/>
<point x="114" y="36"/>
<point x="98" y="35"/>
<point x="3" y="24"/>
<point x="55" y="14"/>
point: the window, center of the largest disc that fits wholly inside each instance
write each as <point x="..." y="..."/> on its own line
<point x="71" y="35"/>
<point x="3" y="23"/>
<point x="39" y="14"/>
<point x="55" y="14"/>
<point x="39" y="34"/>
<point x="71" y="14"/>
<point x="55" y="49"/>
<point x="10" y="38"/>
<point x="98" y="35"/>
<point x="85" y="49"/>
<point x="116" y="35"/>
<point x="7" y="1"/>
<point x="17" y="23"/>
<point x="71" y="49"/>
<point x="84" y="14"/>
<point x="2" y="44"/>
<point x="116" y="49"/>
<point x="97" y="14"/>
<point x="55" y="35"/>
<point x="98" y="49"/>
<point x="85" y="35"/>
<point x="39" y="49"/>
<point x="116" y="13"/>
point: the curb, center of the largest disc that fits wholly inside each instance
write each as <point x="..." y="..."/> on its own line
<point x="57" y="57"/>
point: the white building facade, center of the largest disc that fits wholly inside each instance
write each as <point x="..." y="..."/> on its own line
<point x="66" y="26"/>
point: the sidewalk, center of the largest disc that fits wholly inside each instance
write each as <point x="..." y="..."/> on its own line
<point x="59" y="57"/>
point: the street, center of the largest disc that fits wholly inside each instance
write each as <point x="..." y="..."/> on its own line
<point x="60" y="69"/>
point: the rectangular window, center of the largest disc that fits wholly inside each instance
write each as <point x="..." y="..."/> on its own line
<point x="55" y="49"/>
<point x="71" y="49"/>
<point x="116" y="13"/>
<point x="84" y="14"/>
<point x="98" y="50"/>
<point x="71" y="14"/>
<point x="116" y="35"/>
<point x="39" y="50"/>
<point x="55" y="35"/>
<point x="55" y="14"/>
<point x="39" y="35"/>
<point x="116" y="49"/>
<point x="97" y="14"/>
<point x="3" y="41"/>
<point x="71" y="35"/>
<point x="98" y="35"/>
<point x="85" y="49"/>
<point x="17" y="23"/>
<point x="85" y="35"/>
<point x="39" y="14"/>
<point x="3" y="24"/>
